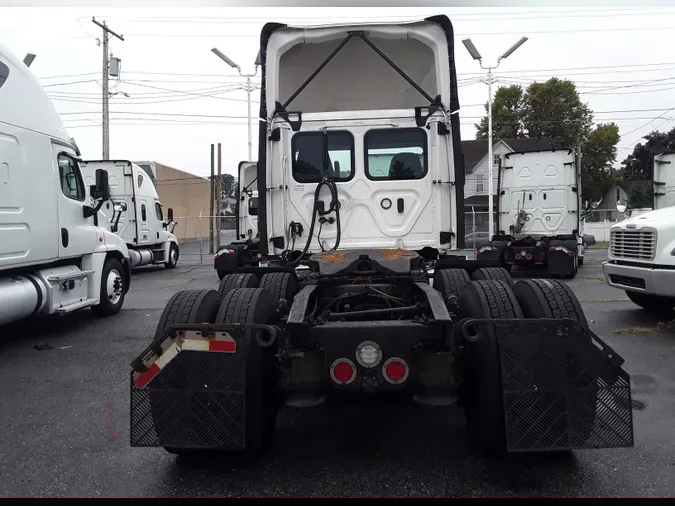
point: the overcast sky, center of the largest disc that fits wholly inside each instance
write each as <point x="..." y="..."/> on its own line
<point x="182" y="98"/>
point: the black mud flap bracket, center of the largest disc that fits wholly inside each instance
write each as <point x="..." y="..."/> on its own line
<point x="188" y="387"/>
<point x="563" y="388"/>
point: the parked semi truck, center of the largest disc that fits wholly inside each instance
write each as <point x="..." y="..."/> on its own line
<point x="540" y="213"/>
<point x="55" y="257"/>
<point x="136" y="214"/>
<point x="360" y="181"/>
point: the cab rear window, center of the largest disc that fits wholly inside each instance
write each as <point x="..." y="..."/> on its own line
<point x="4" y="73"/>
<point x="395" y="154"/>
<point x="310" y="161"/>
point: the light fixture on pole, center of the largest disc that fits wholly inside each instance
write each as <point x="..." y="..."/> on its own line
<point x="476" y="56"/>
<point x="248" y="77"/>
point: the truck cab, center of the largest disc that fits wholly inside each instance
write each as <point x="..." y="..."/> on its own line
<point x="247" y="210"/>
<point x="55" y="255"/>
<point x="641" y="255"/>
<point x="540" y="213"/>
<point x="136" y="214"/>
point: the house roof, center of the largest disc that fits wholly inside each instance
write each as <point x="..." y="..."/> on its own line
<point x="641" y="185"/>
<point x="476" y="151"/>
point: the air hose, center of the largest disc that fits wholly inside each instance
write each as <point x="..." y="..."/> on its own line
<point x="334" y="206"/>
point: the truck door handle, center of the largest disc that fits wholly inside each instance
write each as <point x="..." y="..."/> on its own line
<point x="64" y="237"/>
<point x="400" y="205"/>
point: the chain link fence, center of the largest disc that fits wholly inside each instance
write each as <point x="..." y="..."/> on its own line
<point x="196" y="240"/>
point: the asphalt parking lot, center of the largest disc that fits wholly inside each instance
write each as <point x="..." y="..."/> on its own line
<point x="65" y="419"/>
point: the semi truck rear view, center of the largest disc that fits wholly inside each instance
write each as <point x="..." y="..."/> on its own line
<point x="360" y="183"/>
<point x="55" y="257"/>
<point x="539" y="213"/>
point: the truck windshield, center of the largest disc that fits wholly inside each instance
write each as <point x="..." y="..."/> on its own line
<point x="396" y="153"/>
<point x="308" y="156"/>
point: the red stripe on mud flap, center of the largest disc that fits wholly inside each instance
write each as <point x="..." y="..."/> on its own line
<point x="224" y="346"/>
<point x="147" y="376"/>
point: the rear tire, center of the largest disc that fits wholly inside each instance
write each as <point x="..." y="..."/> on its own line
<point x="262" y="399"/>
<point x="546" y="298"/>
<point x="450" y="281"/>
<point x="234" y="281"/>
<point x="652" y="303"/>
<point x="112" y="293"/>
<point x="281" y="285"/>
<point x="186" y="306"/>
<point x="492" y="274"/>
<point x="481" y="390"/>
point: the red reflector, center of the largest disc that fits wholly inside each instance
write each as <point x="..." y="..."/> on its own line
<point x="395" y="371"/>
<point x="225" y="346"/>
<point x="264" y="259"/>
<point x="147" y="376"/>
<point x="529" y="257"/>
<point x="570" y="253"/>
<point x="551" y="249"/>
<point x="517" y="257"/>
<point x="343" y="372"/>
<point x="494" y="249"/>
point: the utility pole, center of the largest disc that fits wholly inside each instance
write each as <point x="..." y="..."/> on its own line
<point x="213" y="190"/>
<point x="219" y="195"/>
<point x="106" y="93"/>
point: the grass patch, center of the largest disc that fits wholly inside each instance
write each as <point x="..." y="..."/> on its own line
<point x="600" y="245"/>
<point x="666" y="326"/>
<point x="635" y="330"/>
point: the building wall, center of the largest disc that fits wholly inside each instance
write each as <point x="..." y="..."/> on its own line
<point x="477" y="180"/>
<point x="188" y="195"/>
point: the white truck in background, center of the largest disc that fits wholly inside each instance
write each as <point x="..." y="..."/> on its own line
<point x="136" y="214"/>
<point x="247" y="210"/>
<point x="539" y="209"/>
<point x="55" y="257"/>
<point x="641" y="255"/>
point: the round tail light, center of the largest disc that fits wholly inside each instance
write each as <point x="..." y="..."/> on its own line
<point x="395" y="370"/>
<point x="517" y="256"/>
<point x="343" y="371"/>
<point x="529" y="257"/>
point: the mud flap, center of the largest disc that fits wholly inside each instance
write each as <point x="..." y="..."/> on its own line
<point x="188" y="387"/>
<point x="563" y="388"/>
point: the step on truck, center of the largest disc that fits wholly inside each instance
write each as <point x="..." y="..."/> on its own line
<point x="539" y="213"/>
<point x="641" y="255"/>
<point x="136" y="214"/>
<point x="245" y="249"/>
<point x="360" y="167"/>
<point x="55" y="257"/>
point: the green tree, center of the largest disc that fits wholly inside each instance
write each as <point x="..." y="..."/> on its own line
<point x="507" y="114"/>
<point x="597" y="161"/>
<point x="228" y="185"/>
<point x="639" y="165"/>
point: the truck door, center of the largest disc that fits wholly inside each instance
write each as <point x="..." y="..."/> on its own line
<point x="143" y="211"/>
<point x="77" y="234"/>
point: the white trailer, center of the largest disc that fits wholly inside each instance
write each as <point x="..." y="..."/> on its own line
<point x="136" y="214"/>
<point x="539" y="209"/>
<point x="54" y="255"/>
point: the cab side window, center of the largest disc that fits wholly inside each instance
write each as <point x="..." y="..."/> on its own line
<point x="71" y="181"/>
<point x="158" y="211"/>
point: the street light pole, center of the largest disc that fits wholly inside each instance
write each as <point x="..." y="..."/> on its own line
<point x="476" y="56"/>
<point x="248" y="77"/>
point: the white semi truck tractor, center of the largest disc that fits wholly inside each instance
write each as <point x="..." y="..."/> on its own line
<point x="540" y="213"/>
<point x="55" y="257"/>
<point x="641" y="256"/>
<point x="136" y="214"/>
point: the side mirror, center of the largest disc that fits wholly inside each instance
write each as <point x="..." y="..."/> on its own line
<point x="169" y="214"/>
<point x="102" y="185"/>
<point x="621" y="205"/>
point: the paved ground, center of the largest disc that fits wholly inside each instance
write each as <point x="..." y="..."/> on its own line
<point x="65" y="420"/>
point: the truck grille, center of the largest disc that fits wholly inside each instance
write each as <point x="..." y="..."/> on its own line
<point x="633" y="244"/>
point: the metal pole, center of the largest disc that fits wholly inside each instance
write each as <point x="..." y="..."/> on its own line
<point x="213" y="187"/>
<point x="473" y="225"/>
<point x="219" y="196"/>
<point x="106" y="97"/>
<point x="104" y="85"/>
<point x="491" y="224"/>
<point x="248" y="101"/>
